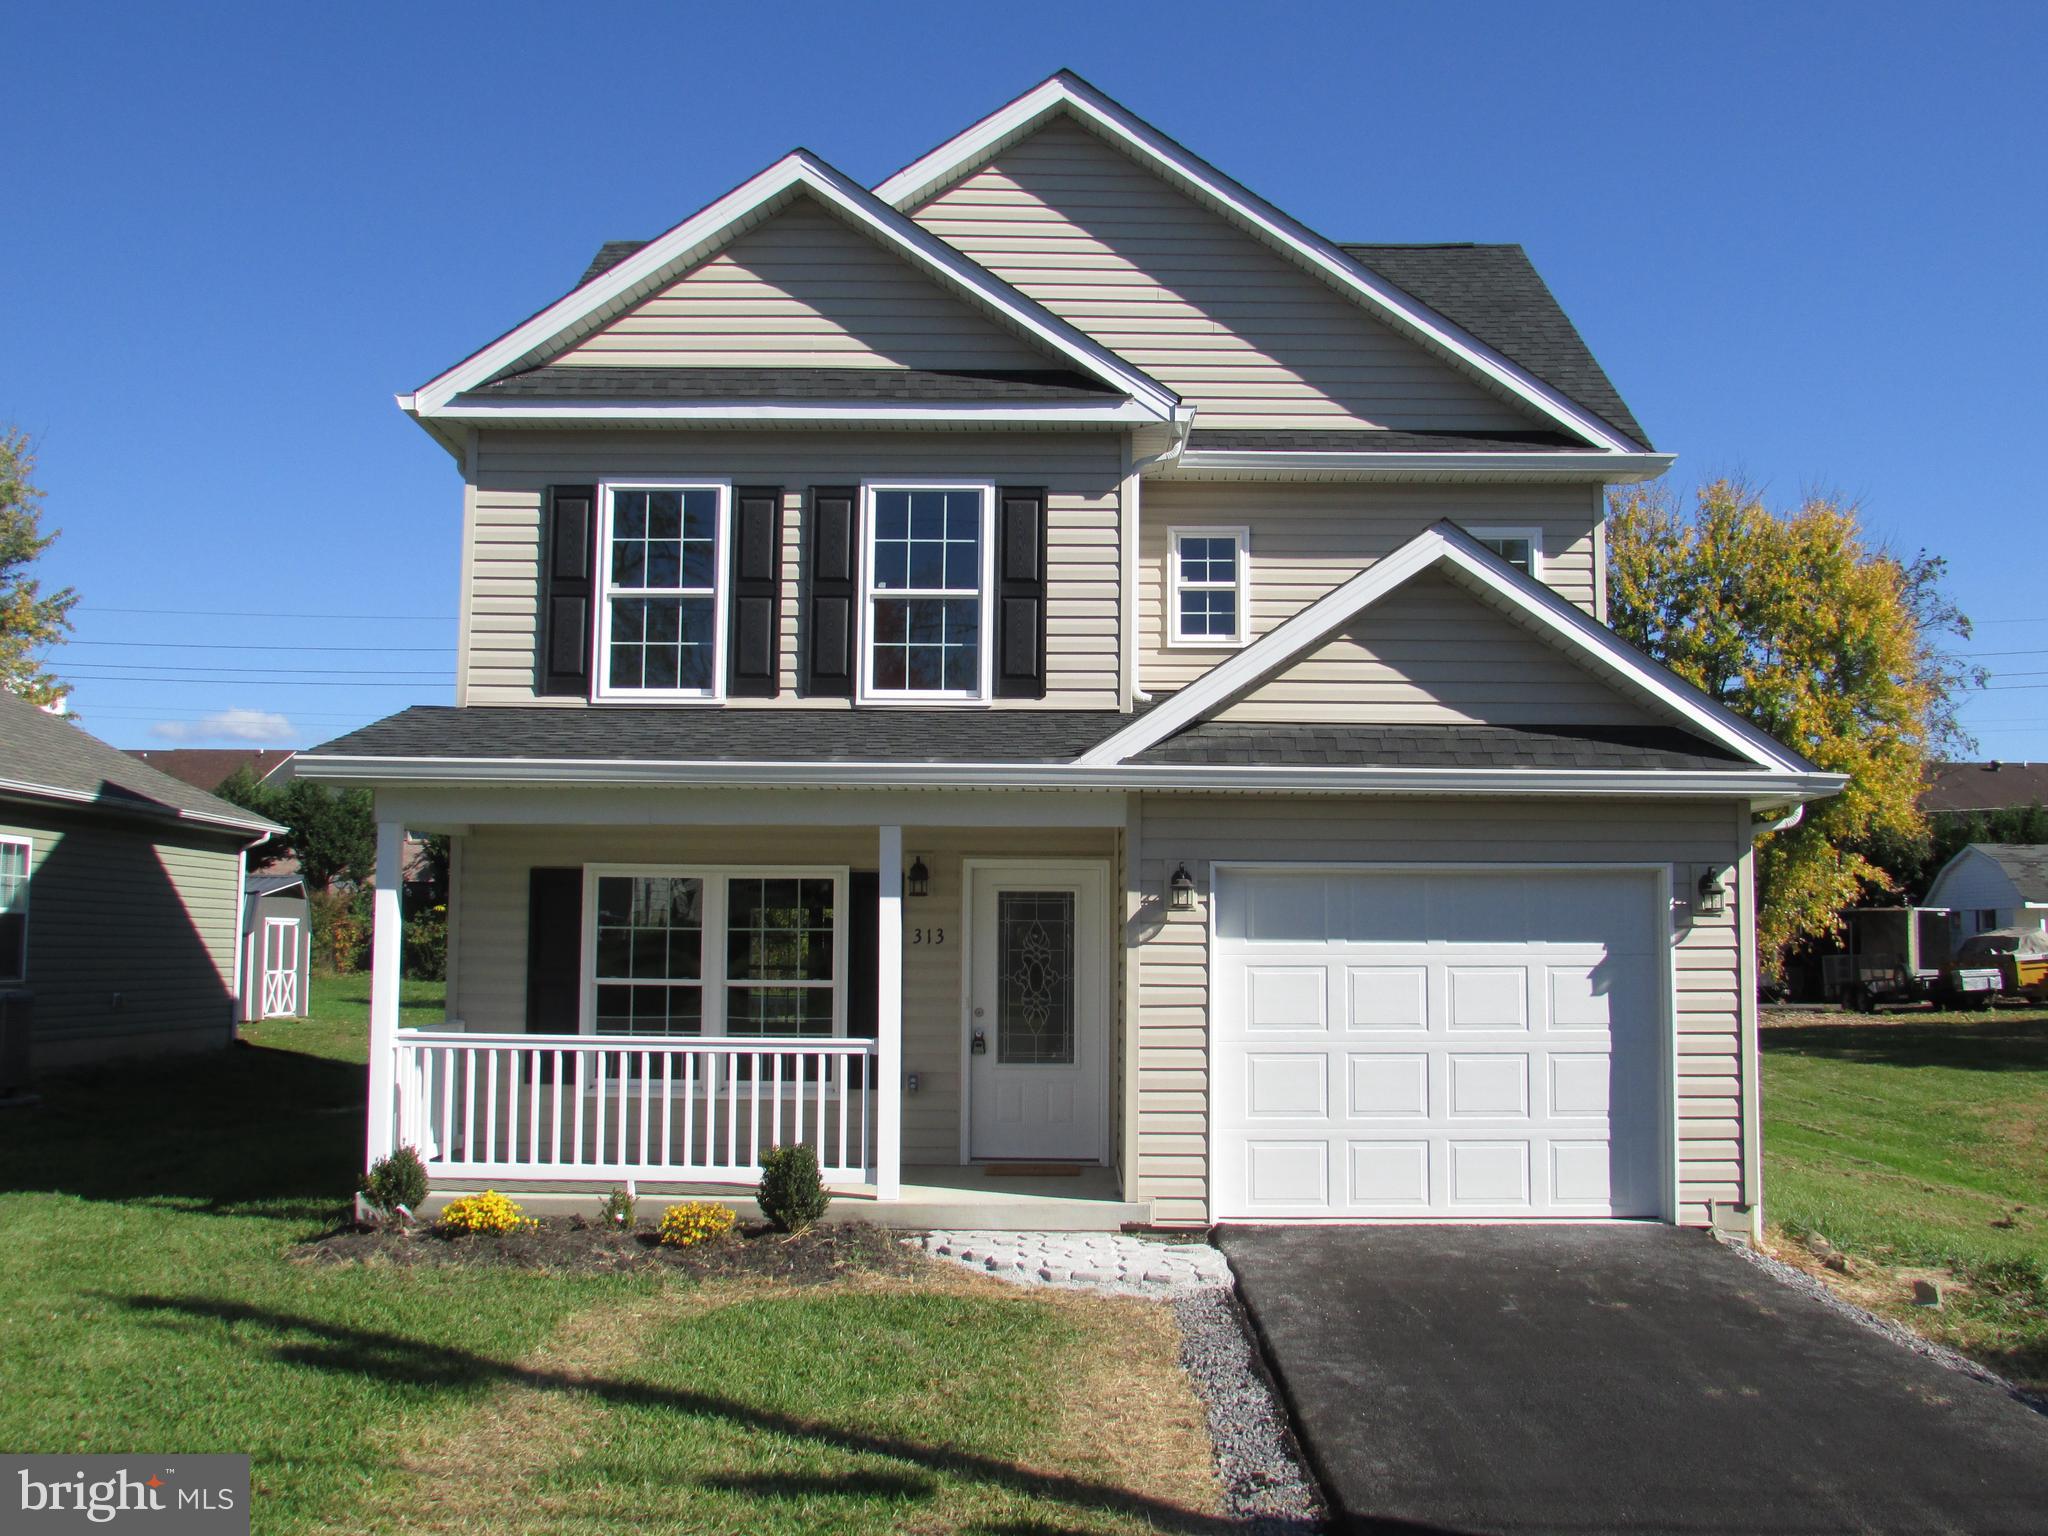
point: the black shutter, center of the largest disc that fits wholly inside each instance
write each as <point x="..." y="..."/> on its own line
<point x="554" y="951"/>
<point x="1020" y="593"/>
<point x="568" y="561"/>
<point x="831" y="556"/>
<point x="863" y="958"/>
<point x="752" y="671"/>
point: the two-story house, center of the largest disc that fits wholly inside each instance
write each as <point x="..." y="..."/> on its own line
<point x="1047" y="677"/>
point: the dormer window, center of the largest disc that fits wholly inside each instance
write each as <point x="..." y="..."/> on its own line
<point x="1520" y="547"/>
<point x="1208" y="587"/>
<point x="927" y="575"/>
<point x="661" y="612"/>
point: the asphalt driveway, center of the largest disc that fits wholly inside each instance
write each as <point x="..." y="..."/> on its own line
<point x="1615" y="1378"/>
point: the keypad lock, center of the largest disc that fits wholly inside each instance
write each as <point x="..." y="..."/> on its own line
<point x="979" y="1047"/>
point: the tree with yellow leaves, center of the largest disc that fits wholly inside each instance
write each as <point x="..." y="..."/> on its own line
<point x="1833" y="646"/>
<point x="31" y="620"/>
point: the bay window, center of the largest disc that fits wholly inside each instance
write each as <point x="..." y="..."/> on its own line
<point x="927" y="576"/>
<point x="661" y="610"/>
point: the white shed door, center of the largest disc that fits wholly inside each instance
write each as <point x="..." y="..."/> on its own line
<point x="1436" y="1044"/>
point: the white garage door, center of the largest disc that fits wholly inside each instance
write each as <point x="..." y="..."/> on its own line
<point x="1404" y="1044"/>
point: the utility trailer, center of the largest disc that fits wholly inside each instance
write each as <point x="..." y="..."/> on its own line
<point x="1890" y="955"/>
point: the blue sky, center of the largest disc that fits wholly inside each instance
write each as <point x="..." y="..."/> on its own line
<point x="1805" y="240"/>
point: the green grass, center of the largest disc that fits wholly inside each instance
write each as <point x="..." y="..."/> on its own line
<point x="1921" y="1141"/>
<point x="149" y="1306"/>
<point x="338" y="1023"/>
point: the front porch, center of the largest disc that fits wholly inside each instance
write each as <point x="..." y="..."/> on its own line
<point x="672" y="999"/>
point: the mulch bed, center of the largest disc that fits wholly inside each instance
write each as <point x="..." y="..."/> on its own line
<point x="569" y="1244"/>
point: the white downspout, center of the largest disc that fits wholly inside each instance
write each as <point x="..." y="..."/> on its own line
<point x="239" y="1014"/>
<point x="1184" y="423"/>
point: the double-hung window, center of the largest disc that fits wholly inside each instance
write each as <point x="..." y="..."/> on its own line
<point x="716" y="952"/>
<point x="1520" y="547"/>
<point x="927" y="573"/>
<point x="14" y="860"/>
<point x="1208" y="586"/>
<point x="661" y="614"/>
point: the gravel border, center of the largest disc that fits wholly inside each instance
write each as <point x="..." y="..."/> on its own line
<point x="1799" y="1280"/>
<point x="1265" y="1484"/>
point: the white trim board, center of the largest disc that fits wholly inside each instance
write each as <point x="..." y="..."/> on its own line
<point x="1069" y="93"/>
<point x="1444" y="544"/>
<point x="698" y="236"/>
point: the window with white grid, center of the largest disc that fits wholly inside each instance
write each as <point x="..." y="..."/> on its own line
<point x="927" y="576"/>
<point x="1208" y="586"/>
<point x="14" y="858"/>
<point x="660" y="619"/>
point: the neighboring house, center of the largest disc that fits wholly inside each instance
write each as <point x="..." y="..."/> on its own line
<point x="1994" y="885"/>
<point x="120" y="892"/>
<point x="1959" y="788"/>
<point x="208" y="768"/>
<point x="1049" y="663"/>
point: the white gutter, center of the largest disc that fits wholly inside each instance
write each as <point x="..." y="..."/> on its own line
<point x="491" y="412"/>
<point x="1778" y="787"/>
<point x="151" y="809"/>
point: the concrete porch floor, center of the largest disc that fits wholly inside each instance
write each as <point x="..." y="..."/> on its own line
<point x="934" y="1196"/>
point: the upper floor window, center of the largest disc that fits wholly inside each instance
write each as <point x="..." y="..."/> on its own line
<point x="661" y="613"/>
<point x="1208" y="586"/>
<point x="14" y="855"/>
<point x="927" y="576"/>
<point x="1520" y="547"/>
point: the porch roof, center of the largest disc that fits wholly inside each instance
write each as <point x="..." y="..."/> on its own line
<point x="1665" y="748"/>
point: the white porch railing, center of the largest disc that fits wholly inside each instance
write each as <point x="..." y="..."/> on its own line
<point x="631" y="1107"/>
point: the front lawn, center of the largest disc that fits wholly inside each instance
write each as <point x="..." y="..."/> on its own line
<point x="1917" y="1143"/>
<point x="146" y="1214"/>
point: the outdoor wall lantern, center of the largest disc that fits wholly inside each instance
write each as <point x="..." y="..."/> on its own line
<point x="1182" y="889"/>
<point x="1713" y="895"/>
<point x="920" y="878"/>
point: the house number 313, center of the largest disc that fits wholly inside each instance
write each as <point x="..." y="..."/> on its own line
<point x="927" y="935"/>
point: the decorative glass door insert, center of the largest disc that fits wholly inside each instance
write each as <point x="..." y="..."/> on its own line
<point x="1035" y="978"/>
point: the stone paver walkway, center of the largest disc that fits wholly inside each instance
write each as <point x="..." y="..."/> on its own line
<point x="1089" y="1261"/>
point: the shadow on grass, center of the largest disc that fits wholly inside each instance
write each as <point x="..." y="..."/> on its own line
<point x="226" y="1132"/>
<point x="1987" y="1043"/>
<point x="402" y="1361"/>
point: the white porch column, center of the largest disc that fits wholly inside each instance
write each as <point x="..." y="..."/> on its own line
<point x="387" y="950"/>
<point x="889" y="1022"/>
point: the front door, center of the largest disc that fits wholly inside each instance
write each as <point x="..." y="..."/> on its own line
<point x="1037" y="1012"/>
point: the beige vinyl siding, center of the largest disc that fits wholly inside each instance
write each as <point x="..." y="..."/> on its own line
<point x="1433" y="653"/>
<point x="490" y="972"/>
<point x="804" y="290"/>
<point x="1200" y="305"/>
<point x="131" y="939"/>
<point x="1167" y="1034"/>
<point x="1082" y="473"/>
<point x="1308" y="540"/>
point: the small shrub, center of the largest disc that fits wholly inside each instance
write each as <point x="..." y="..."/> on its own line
<point x="695" y="1221"/>
<point x="791" y="1192"/>
<point x="616" y="1210"/>
<point x="426" y="945"/>
<point x="490" y="1214"/>
<point x="396" y="1184"/>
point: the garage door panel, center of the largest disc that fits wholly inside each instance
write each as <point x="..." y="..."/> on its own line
<point x="1389" y="1086"/>
<point x="1387" y="996"/>
<point x="1291" y="997"/>
<point x="1471" y="1073"/>
<point x="1287" y="1085"/>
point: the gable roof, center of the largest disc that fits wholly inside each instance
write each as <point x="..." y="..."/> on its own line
<point x="626" y="282"/>
<point x="1067" y="93"/>
<point x="1448" y="548"/>
<point x="48" y="757"/>
<point x="747" y="386"/>
<point x="209" y="767"/>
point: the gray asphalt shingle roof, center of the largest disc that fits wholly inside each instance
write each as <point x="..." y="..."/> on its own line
<point x="1379" y="441"/>
<point x="1995" y="786"/>
<point x="2025" y="864"/>
<point x="565" y="382"/>
<point x="1224" y="743"/>
<point x="993" y="736"/>
<point x="49" y="754"/>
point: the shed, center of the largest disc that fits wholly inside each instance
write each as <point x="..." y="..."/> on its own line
<point x="1995" y="885"/>
<point x="277" y="948"/>
<point x="120" y="901"/>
